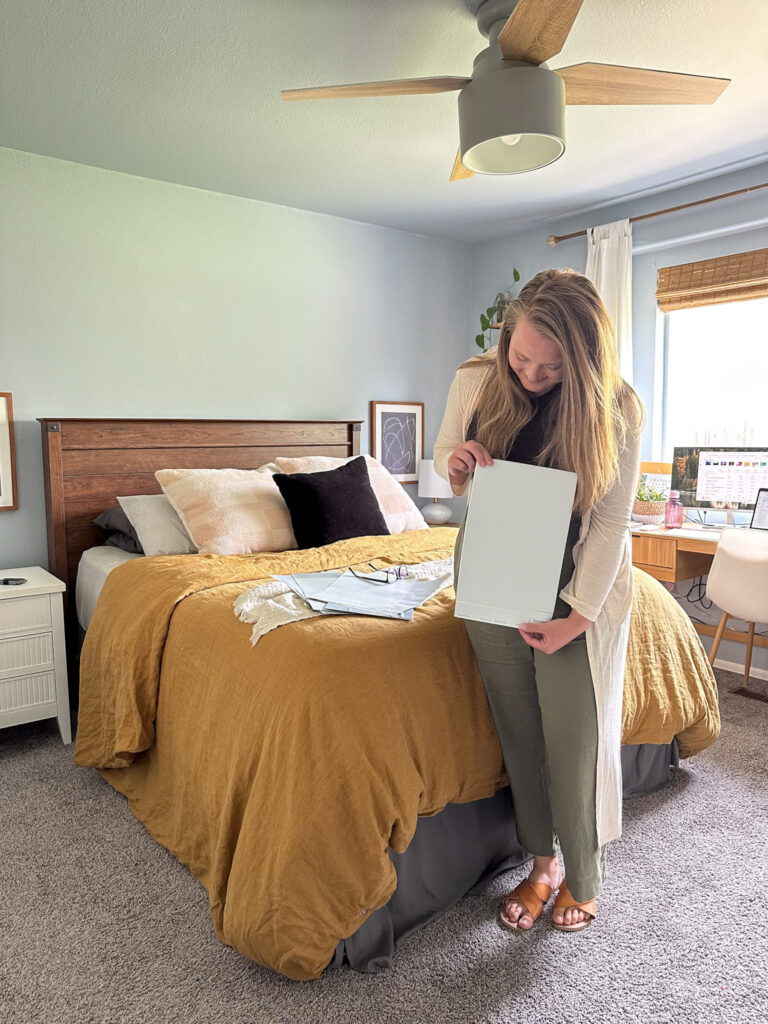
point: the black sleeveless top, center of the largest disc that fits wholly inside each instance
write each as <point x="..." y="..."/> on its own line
<point x="525" y="448"/>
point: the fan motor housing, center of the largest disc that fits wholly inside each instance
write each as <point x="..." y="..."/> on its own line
<point x="524" y="101"/>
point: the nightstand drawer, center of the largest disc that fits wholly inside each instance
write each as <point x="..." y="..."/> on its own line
<point x="25" y="614"/>
<point x="28" y="691"/>
<point x="25" y="653"/>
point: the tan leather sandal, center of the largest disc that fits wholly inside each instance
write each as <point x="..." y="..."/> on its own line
<point x="565" y="901"/>
<point x="532" y="895"/>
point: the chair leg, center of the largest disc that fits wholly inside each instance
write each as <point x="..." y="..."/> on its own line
<point x="745" y="691"/>
<point x="718" y="638"/>
<point x="748" y="658"/>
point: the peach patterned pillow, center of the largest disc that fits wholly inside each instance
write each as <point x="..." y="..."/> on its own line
<point x="400" y="513"/>
<point x="229" y="511"/>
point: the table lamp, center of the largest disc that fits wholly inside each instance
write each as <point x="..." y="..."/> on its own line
<point x="431" y="485"/>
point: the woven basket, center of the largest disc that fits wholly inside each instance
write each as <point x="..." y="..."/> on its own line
<point x="648" y="511"/>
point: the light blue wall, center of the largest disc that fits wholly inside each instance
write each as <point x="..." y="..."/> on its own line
<point x="121" y="296"/>
<point x="528" y="252"/>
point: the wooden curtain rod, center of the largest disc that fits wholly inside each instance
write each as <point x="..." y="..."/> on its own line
<point x="554" y="239"/>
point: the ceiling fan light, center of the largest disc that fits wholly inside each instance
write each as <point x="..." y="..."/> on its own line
<point x="495" y="157"/>
<point x="512" y="120"/>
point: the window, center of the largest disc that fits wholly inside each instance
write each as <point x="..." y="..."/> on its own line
<point x="716" y="375"/>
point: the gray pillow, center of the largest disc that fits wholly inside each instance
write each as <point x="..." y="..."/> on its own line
<point x="157" y="524"/>
<point x="120" y="533"/>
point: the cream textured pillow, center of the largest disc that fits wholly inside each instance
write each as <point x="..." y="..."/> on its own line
<point x="400" y="513"/>
<point x="229" y="511"/>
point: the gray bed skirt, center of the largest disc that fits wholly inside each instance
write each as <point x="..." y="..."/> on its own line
<point x="459" y="851"/>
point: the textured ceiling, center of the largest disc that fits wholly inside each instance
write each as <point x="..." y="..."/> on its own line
<point x="188" y="91"/>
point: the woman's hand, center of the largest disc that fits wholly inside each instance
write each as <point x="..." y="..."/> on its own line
<point x="551" y="636"/>
<point x="462" y="460"/>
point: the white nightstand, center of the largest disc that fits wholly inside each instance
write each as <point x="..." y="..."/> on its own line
<point x="33" y="664"/>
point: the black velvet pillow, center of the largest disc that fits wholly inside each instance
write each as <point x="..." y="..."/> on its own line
<point x="120" y="532"/>
<point x="332" y="505"/>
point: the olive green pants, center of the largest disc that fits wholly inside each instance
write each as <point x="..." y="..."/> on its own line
<point x="543" y="707"/>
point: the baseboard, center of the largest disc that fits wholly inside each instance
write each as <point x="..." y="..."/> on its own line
<point x="734" y="666"/>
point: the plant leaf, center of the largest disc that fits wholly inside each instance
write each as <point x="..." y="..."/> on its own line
<point x="490" y="311"/>
<point x="484" y="322"/>
<point x="480" y="340"/>
<point x="515" y="274"/>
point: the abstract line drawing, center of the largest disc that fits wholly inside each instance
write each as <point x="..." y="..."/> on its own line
<point x="397" y="438"/>
<point x="398" y="442"/>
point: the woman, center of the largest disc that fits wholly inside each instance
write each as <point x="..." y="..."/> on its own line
<point x="551" y="395"/>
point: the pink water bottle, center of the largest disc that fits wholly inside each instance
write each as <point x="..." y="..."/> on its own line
<point x="673" y="511"/>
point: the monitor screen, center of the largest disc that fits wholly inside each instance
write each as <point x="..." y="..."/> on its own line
<point x="719" y="477"/>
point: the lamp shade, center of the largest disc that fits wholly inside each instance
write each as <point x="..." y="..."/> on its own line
<point x="512" y="120"/>
<point x="431" y="484"/>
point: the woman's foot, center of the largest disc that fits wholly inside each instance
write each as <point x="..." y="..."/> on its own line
<point x="545" y="871"/>
<point x="570" y="916"/>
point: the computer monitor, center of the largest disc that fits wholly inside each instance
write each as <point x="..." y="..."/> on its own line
<point x="719" y="477"/>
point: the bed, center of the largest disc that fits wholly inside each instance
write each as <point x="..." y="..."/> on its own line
<point x="324" y="784"/>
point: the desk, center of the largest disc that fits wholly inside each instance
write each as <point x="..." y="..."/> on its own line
<point x="672" y="555"/>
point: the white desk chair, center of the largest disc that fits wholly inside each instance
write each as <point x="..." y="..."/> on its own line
<point x="738" y="583"/>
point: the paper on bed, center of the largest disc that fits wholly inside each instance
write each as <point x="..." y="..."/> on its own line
<point x="353" y="594"/>
<point x="514" y="540"/>
<point x="382" y="613"/>
<point x="308" y="584"/>
<point x="281" y="600"/>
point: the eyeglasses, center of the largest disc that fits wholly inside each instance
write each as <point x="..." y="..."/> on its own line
<point x="391" y="575"/>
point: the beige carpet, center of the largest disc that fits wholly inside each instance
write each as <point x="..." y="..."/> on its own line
<point x="99" y="924"/>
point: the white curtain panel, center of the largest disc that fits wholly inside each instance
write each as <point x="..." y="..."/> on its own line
<point x="609" y="268"/>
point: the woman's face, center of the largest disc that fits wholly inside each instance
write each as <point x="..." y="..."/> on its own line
<point x="535" y="359"/>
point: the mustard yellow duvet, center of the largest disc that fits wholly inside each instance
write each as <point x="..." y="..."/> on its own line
<point x="281" y="773"/>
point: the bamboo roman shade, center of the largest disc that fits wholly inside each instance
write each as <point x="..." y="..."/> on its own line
<point x="725" y="279"/>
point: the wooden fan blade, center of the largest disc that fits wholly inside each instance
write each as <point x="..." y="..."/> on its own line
<point x="399" y="87"/>
<point x="615" y="84"/>
<point x="537" y="29"/>
<point x="459" y="170"/>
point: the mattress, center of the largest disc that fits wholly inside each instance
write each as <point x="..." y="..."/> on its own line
<point x="95" y="565"/>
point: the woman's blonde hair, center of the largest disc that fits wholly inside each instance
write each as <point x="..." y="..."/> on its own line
<point x="589" y="419"/>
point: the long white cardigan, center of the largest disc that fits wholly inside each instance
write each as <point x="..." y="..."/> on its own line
<point x="600" y="589"/>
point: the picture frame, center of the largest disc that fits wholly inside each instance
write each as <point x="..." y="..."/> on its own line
<point x="9" y="501"/>
<point x="397" y="438"/>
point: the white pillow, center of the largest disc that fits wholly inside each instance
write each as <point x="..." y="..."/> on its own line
<point x="159" y="529"/>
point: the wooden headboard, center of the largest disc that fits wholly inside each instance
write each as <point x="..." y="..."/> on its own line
<point x="88" y="462"/>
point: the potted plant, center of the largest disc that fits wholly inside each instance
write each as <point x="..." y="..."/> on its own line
<point x="495" y="314"/>
<point x="649" y="504"/>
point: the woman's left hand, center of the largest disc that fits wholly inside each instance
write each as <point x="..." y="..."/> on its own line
<point x="551" y="636"/>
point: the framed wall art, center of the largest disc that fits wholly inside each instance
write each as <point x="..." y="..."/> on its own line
<point x="8" y="498"/>
<point x="397" y="438"/>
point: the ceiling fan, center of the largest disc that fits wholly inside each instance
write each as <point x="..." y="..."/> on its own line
<point x="512" y="109"/>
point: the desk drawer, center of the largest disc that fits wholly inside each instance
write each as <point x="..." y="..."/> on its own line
<point x="25" y="654"/>
<point x="25" y="614"/>
<point x="28" y="691"/>
<point x="653" y="551"/>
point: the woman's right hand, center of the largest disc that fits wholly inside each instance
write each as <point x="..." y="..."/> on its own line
<point x="462" y="460"/>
